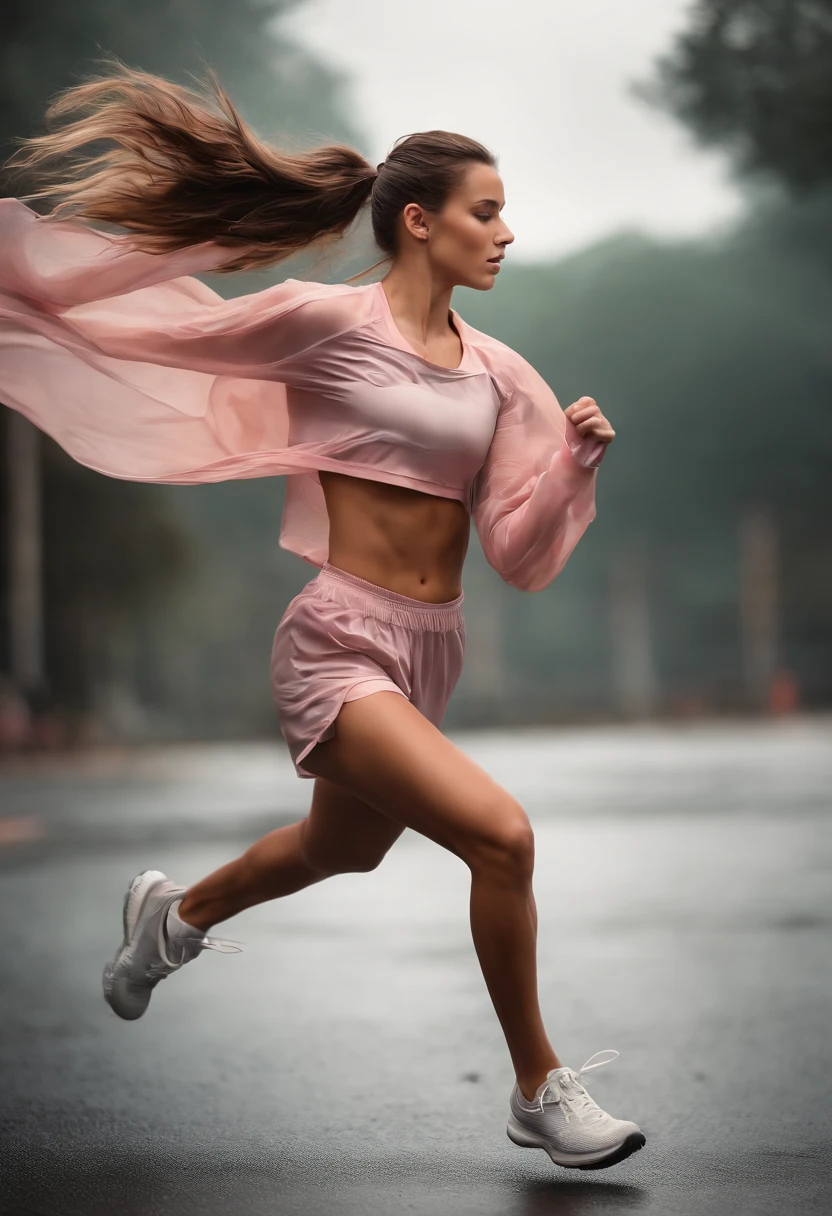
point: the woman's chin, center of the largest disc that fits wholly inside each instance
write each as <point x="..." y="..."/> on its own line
<point x="482" y="282"/>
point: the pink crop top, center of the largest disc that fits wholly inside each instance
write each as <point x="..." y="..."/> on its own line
<point x="141" y="371"/>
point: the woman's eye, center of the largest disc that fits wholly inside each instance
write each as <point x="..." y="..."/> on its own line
<point x="483" y="217"/>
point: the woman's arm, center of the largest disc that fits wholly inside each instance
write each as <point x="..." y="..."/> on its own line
<point x="535" y="495"/>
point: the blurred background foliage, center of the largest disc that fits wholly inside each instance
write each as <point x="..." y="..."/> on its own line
<point x="710" y="357"/>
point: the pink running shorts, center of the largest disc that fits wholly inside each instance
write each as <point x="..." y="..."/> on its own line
<point x="343" y="638"/>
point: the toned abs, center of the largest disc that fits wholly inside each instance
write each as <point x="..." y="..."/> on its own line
<point x="409" y="542"/>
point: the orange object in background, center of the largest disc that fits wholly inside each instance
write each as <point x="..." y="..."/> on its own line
<point x="783" y="693"/>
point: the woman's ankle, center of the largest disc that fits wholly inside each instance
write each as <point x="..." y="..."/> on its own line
<point x="193" y="915"/>
<point x="529" y="1083"/>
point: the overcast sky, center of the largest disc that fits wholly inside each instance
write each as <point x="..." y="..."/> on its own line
<point x="543" y="84"/>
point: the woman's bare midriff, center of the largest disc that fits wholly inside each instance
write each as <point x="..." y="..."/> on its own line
<point x="409" y="542"/>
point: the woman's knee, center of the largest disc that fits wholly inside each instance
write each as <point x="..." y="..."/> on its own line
<point x="507" y="846"/>
<point x="391" y="757"/>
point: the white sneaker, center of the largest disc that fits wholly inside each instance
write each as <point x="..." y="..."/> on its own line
<point x="147" y="954"/>
<point x="568" y="1124"/>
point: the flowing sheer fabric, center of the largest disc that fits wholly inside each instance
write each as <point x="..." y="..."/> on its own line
<point x="142" y="372"/>
<point x="535" y="495"/>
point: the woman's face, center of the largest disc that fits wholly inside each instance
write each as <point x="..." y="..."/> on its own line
<point x="468" y="233"/>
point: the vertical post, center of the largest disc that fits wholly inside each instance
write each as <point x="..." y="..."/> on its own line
<point x="635" y="685"/>
<point x="26" y="647"/>
<point x="759" y="608"/>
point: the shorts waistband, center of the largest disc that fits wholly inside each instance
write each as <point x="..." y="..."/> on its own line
<point x="418" y="615"/>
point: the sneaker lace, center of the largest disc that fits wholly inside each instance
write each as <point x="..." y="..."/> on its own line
<point x="564" y="1086"/>
<point x="188" y="950"/>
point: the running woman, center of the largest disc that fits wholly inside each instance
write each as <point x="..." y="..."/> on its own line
<point x="395" y="422"/>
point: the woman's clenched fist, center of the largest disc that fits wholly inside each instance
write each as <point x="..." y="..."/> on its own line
<point x="588" y="420"/>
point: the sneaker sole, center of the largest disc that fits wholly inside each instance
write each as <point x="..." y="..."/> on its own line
<point x="134" y="899"/>
<point x="582" y="1161"/>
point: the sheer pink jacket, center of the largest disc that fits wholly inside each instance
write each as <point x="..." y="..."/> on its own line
<point x="141" y="371"/>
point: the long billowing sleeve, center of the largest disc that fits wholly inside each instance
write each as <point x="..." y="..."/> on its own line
<point x="87" y="287"/>
<point x="141" y="371"/>
<point x="535" y="495"/>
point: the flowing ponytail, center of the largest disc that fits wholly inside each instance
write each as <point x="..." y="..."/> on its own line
<point x="188" y="169"/>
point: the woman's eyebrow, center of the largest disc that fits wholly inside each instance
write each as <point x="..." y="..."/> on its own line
<point x="492" y="201"/>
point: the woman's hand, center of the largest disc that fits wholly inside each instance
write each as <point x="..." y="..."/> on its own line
<point x="588" y="420"/>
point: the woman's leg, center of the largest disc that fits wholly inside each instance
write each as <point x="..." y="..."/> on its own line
<point x="340" y="834"/>
<point x="386" y="753"/>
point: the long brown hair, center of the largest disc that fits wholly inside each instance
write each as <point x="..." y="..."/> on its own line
<point x="186" y="168"/>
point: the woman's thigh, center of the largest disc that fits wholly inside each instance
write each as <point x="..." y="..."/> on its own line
<point x="342" y="832"/>
<point x="388" y="755"/>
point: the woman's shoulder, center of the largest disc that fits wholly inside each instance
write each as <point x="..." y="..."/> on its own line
<point x="339" y="300"/>
<point x="313" y="311"/>
<point x="505" y="363"/>
<point x="487" y="343"/>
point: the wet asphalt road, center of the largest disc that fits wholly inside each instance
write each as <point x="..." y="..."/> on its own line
<point x="349" y="1060"/>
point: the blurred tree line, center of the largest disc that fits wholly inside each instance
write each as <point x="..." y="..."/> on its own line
<point x="710" y="357"/>
<point x="713" y="359"/>
<point x="753" y="76"/>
